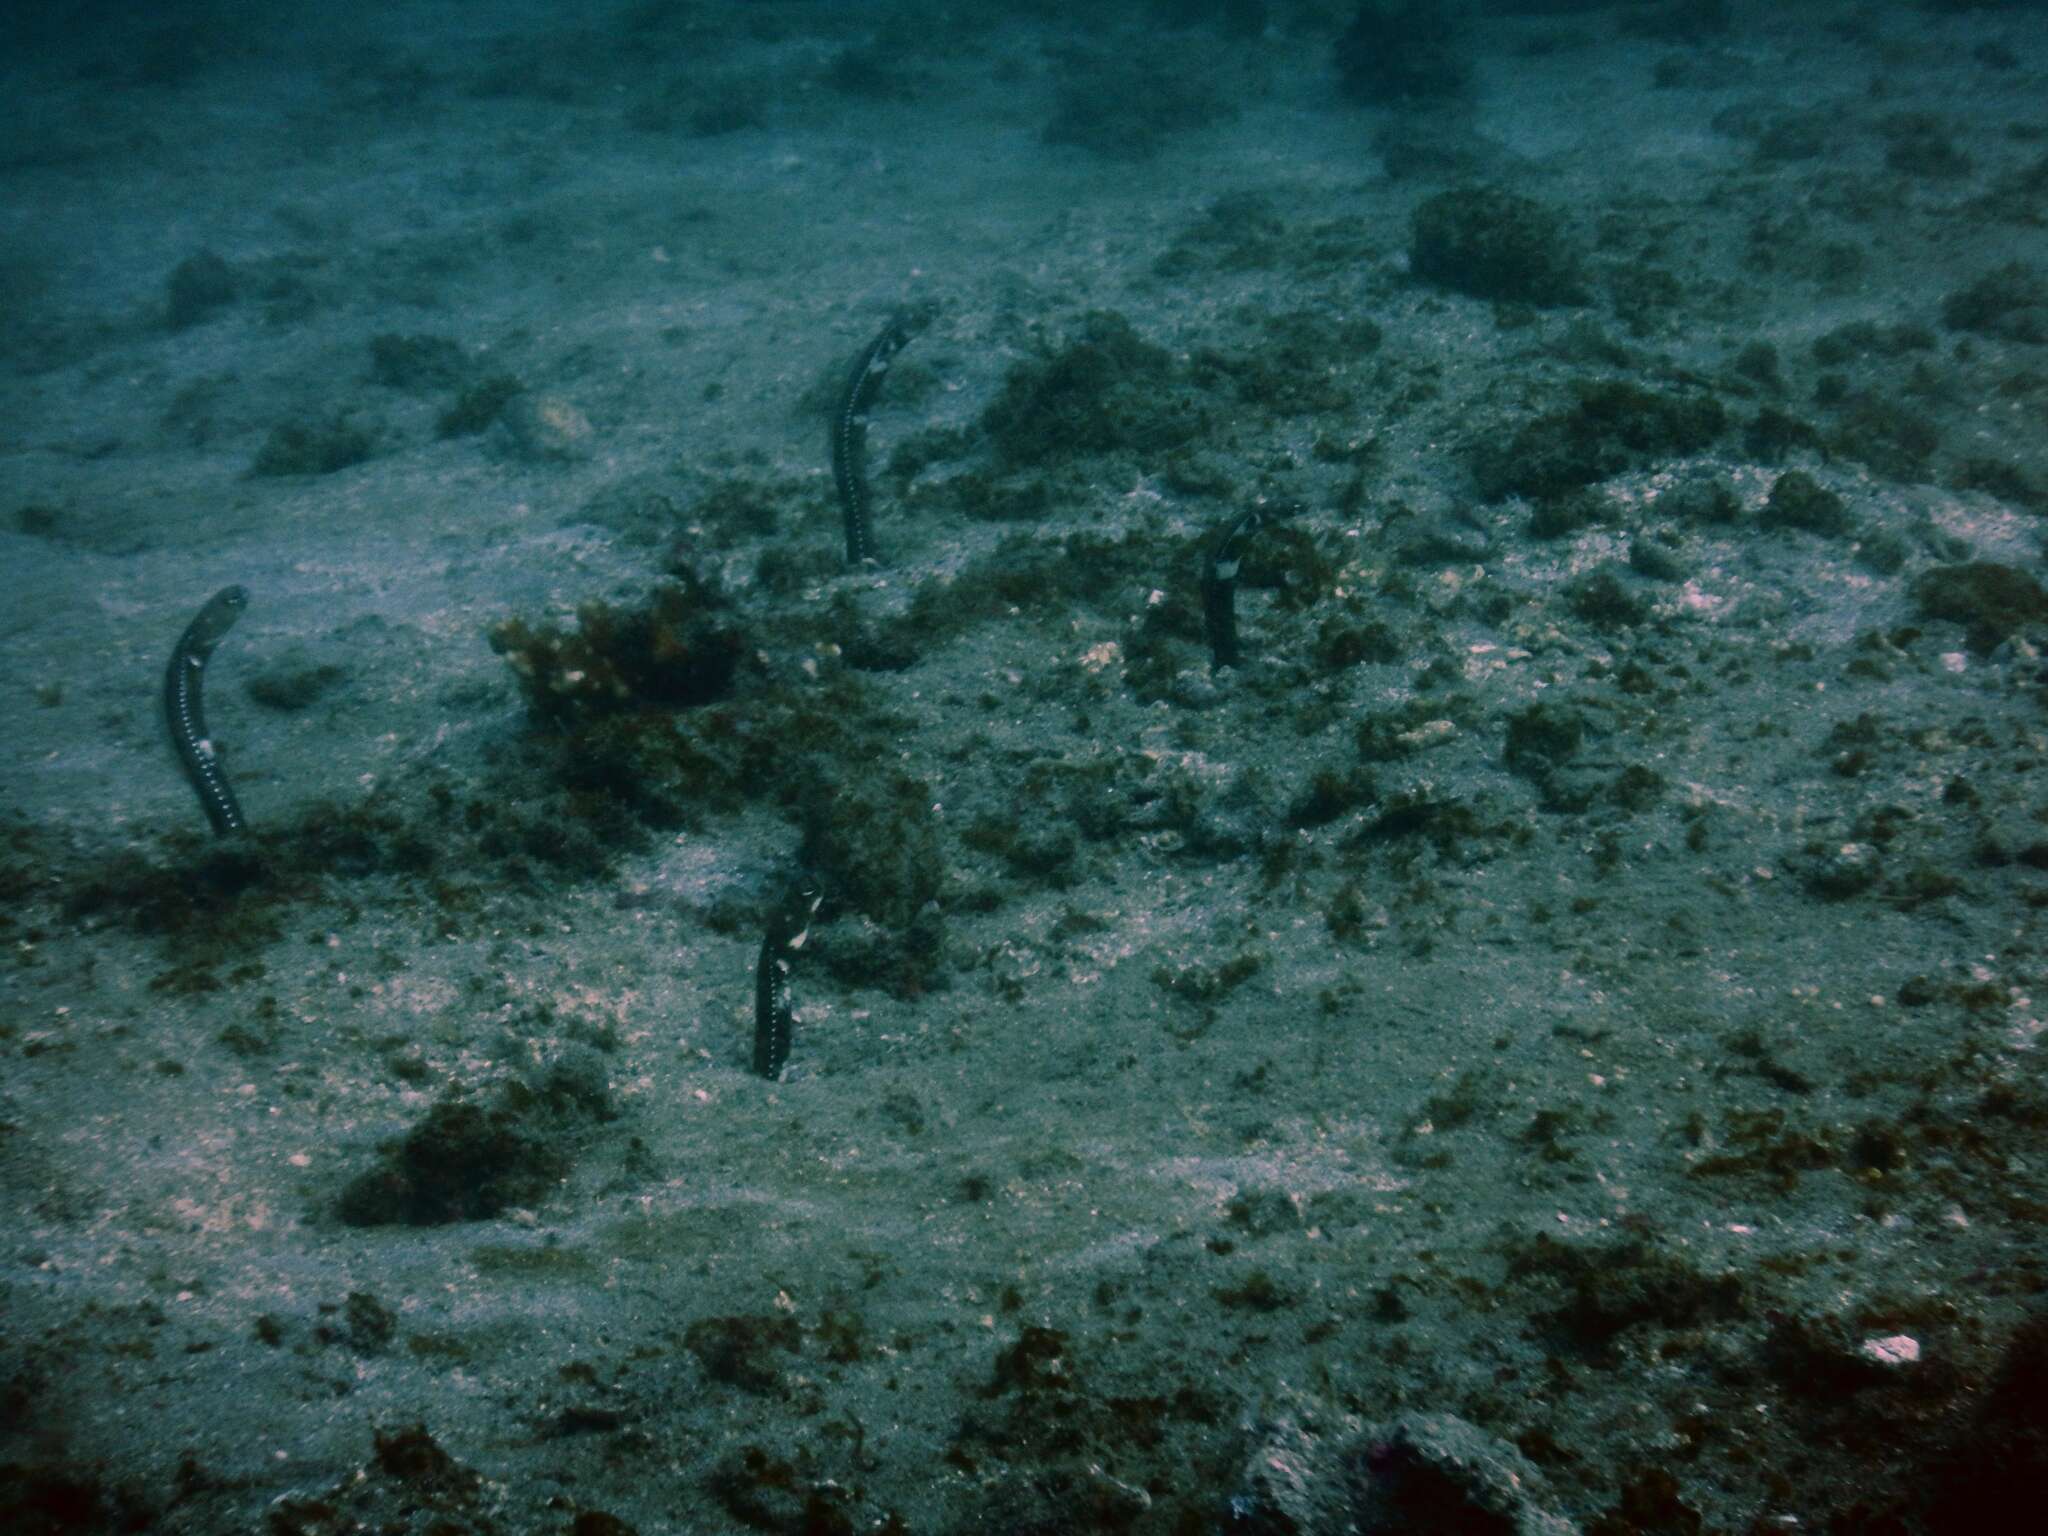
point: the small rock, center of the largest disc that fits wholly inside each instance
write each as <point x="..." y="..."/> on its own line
<point x="198" y="286"/>
<point x="546" y="429"/>
<point x="1899" y="1349"/>
<point x="1839" y="872"/>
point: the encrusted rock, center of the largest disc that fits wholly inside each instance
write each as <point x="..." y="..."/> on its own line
<point x="1426" y="1473"/>
<point x="1422" y="1474"/>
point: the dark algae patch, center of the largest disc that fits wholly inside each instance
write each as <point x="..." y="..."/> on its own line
<point x="199" y="286"/>
<point x="465" y="1161"/>
<point x="675" y="651"/>
<point x="417" y="362"/>
<point x="312" y="447"/>
<point x="1610" y="1289"/>
<point x="874" y="844"/>
<point x="477" y="405"/>
<point x="1107" y="390"/>
<point x="462" y="1162"/>
<point x="1494" y="244"/>
<point x="1992" y="602"/>
<point x="2009" y="303"/>
<point x="1799" y="501"/>
<point x="1609" y="427"/>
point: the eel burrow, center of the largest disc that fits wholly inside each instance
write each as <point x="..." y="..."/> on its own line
<point x="185" y="711"/>
<point x="850" y="428"/>
<point x="774" y="1016"/>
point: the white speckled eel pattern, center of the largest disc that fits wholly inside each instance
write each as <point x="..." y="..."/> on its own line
<point x="185" y="712"/>
<point x="850" y="433"/>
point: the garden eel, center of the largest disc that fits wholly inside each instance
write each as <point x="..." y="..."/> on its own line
<point x="850" y="427"/>
<point x="1219" y="585"/>
<point x="774" y="1017"/>
<point x="185" y="714"/>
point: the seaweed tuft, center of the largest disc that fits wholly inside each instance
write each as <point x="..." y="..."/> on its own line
<point x="461" y="1162"/>
<point x="1108" y="390"/>
<point x="670" y="653"/>
<point x="1497" y="245"/>
<point x="873" y="841"/>
<point x="1610" y="428"/>
<point x="1991" y="601"/>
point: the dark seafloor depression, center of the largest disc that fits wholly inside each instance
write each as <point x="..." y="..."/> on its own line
<point x="1404" y="895"/>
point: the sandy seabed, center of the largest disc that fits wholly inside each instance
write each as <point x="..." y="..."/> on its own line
<point x="1545" y="1042"/>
